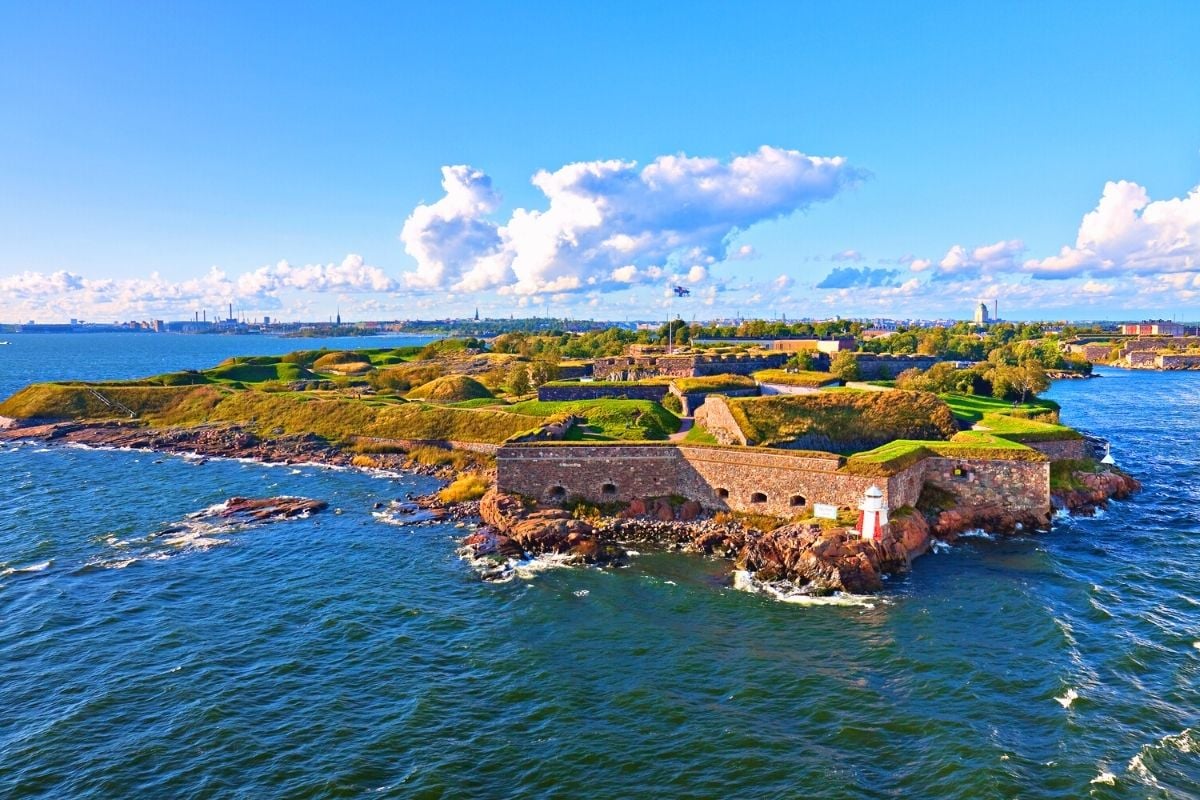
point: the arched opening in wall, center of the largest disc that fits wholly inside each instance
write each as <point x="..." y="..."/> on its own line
<point x="558" y="491"/>
<point x="608" y="488"/>
<point x="723" y="494"/>
<point x="798" y="501"/>
<point x="758" y="497"/>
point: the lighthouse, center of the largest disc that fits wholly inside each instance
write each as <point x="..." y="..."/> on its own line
<point x="872" y="515"/>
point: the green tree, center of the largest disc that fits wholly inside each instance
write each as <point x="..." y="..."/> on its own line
<point x="844" y="365"/>
<point x="518" y="379"/>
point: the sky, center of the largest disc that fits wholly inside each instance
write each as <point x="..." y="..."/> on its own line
<point x="404" y="160"/>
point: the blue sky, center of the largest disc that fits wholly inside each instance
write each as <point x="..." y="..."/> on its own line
<point x="159" y="159"/>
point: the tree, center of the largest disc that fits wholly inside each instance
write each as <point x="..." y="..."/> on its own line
<point x="844" y="365"/>
<point x="518" y="379"/>
<point x="1031" y="379"/>
<point x="801" y="360"/>
<point x="542" y="371"/>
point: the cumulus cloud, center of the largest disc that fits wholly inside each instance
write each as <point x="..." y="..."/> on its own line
<point x="607" y="222"/>
<point x="850" y="277"/>
<point x="847" y="255"/>
<point x="962" y="262"/>
<point x="1127" y="233"/>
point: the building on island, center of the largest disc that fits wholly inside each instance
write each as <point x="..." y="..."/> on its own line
<point x="1152" y="328"/>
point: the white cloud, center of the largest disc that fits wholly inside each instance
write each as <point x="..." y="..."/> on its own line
<point x="602" y="217"/>
<point x="847" y="255"/>
<point x="60" y="295"/>
<point x="1127" y="233"/>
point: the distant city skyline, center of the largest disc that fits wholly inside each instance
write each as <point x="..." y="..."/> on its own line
<point x="790" y="160"/>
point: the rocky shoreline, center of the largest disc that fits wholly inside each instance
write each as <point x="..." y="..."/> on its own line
<point x="816" y="559"/>
<point x="214" y="441"/>
<point x="813" y="558"/>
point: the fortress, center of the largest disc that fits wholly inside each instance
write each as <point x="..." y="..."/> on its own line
<point x="757" y="480"/>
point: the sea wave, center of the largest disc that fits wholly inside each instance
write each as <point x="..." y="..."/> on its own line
<point x="785" y="592"/>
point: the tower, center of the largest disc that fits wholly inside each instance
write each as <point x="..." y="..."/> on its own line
<point x="981" y="314"/>
<point x="872" y="515"/>
<point x="477" y="313"/>
<point x="339" y="317"/>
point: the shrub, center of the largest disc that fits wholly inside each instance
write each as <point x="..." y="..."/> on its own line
<point x="464" y="489"/>
<point x="673" y="404"/>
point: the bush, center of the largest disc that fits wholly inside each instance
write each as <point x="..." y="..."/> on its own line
<point x="464" y="489"/>
<point x="672" y="403"/>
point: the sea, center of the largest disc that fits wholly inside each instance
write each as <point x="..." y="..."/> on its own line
<point x="345" y="656"/>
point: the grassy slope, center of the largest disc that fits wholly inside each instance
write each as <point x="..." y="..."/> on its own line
<point x="714" y="383"/>
<point x="972" y="407"/>
<point x="843" y="417"/>
<point x="613" y="419"/>
<point x="809" y="379"/>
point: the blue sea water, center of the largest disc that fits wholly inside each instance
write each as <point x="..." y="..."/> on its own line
<point x="339" y="656"/>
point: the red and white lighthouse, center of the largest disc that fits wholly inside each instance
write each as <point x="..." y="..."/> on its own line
<point x="872" y="515"/>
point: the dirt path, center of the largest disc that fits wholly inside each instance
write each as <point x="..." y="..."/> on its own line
<point x="685" y="425"/>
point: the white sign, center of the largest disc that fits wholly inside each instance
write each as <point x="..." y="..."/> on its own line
<point x="823" y="511"/>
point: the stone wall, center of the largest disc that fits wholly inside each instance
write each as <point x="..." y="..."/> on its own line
<point x="715" y="417"/>
<point x="754" y="480"/>
<point x="599" y="390"/>
<point x="886" y="366"/>
<point x="1009" y="485"/>
<point x="1143" y="359"/>
<point x="1178" y="361"/>
<point x="1065" y="449"/>
<point x="691" y="401"/>
<point x="634" y="367"/>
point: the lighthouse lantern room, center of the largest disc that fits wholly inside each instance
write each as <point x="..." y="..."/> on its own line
<point x="872" y="515"/>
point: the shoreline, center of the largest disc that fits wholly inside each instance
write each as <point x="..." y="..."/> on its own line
<point x="793" y="562"/>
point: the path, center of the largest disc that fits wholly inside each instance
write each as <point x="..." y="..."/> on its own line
<point x="685" y="425"/>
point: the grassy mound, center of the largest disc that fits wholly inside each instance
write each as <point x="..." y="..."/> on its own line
<point x="630" y="420"/>
<point x="100" y="401"/>
<point x="714" y="383"/>
<point x="257" y="371"/>
<point x="809" y="379"/>
<point x="1017" y="429"/>
<point x="895" y="457"/>
<point x="842" y="421"/>
<point x="451" y="389"/>
<point x="972" y="407"/>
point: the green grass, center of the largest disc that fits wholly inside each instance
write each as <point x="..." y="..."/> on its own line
<point x="809" y="379"/>
<point x="247" y="372"/>
<point x="714" y="383"/>
<point x="972" y="407"/>
<point x="841" y="421"/>
<point x="700" y="435"/>
<point x="896" y="456"/>
<point x="1018" y="429"/>
<point x="451" y="389"/>
<point x="630" y="420"/>
<point x="1062" y="474"/>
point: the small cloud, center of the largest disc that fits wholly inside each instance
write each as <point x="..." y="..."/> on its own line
<point x="859" y="277"/>
<point x="847" y="255"/>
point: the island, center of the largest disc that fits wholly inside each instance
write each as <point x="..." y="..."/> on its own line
<point x="806" y="465"/>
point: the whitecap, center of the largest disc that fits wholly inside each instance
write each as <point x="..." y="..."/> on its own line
<point x="977" y="533"/>
<point x="581" y="592"/>
<point x="785" y="592"/>
<point x="38" y="567"/>
<point x="938" y="546"/>
<point x="1067" y="699"/>
<point x="1105" y="777"/>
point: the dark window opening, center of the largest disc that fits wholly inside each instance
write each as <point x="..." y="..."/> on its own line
<point x="723" y="494"/>
<point x="798" y="500"/>
<point x="609" y="488"/>
<point x="558" y="491"/>
<point x="758" y="497"/>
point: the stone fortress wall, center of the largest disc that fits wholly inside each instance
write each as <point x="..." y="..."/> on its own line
<point x="754" y="480"/>
<point x="690" y="365"/>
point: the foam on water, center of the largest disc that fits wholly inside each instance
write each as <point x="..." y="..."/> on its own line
<point x="785" y="592"/>
<point x="1069" y="697"/>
